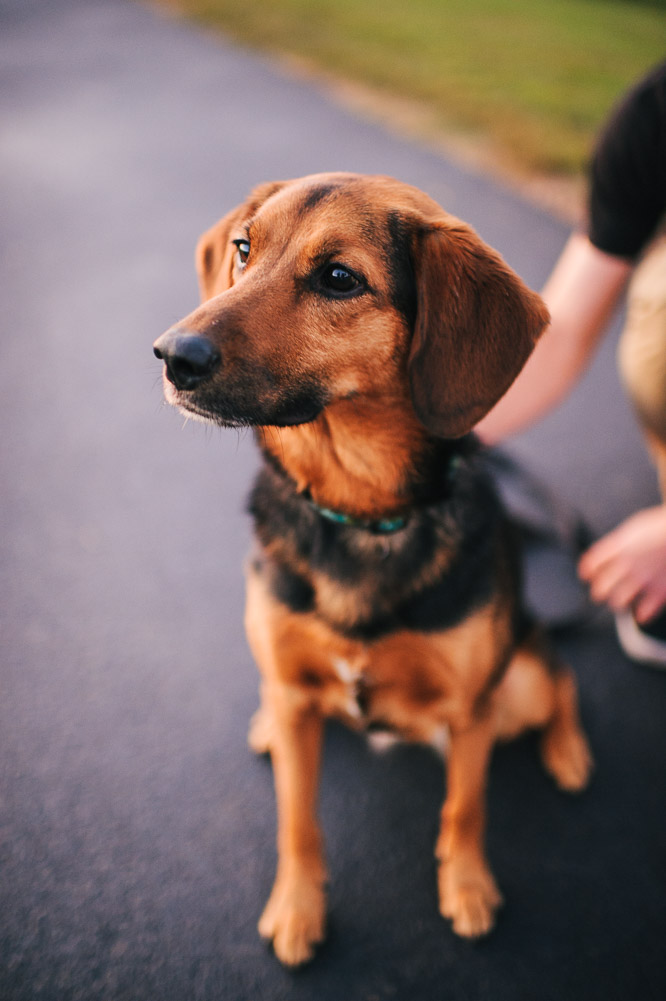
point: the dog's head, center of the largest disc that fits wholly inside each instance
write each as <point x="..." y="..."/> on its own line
<point x="340" y="286"/>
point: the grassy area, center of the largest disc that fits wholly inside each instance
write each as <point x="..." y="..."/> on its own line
<point x="535" y="78"/>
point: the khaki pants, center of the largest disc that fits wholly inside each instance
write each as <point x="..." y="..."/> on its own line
<point x="642" y="351"/>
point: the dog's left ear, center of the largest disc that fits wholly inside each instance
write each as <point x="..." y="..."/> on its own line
<point x="214" y="256"/>
<point x="476" y="325"/>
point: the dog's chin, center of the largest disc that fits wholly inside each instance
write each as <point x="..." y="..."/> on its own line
<point x="302" y="409"/>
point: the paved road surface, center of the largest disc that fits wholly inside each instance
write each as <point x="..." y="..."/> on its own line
<point x="136" y="830"/>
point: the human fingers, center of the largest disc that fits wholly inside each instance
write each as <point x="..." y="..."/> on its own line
<point x="614" y="586"/>
<point x="599" y="554"/>
<point x="649" y="603"/>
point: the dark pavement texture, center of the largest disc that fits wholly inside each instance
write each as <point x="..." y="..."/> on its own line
<point x="136" y="829"/>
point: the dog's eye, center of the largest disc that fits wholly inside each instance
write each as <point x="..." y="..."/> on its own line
<point x="242" y="252"/>
<point x="337" y="278"/>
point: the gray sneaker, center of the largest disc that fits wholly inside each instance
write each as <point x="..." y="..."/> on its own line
<point x="645" y="641"/>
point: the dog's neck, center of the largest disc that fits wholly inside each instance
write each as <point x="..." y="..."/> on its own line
<point x="361" y="459"/>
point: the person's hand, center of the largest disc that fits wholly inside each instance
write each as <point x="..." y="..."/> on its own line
<point x="627" y="568"/>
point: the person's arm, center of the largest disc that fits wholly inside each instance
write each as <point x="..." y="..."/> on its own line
<point x="581" y="294"/>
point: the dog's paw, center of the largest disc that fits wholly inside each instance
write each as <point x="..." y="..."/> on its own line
<point x="294" y="918"/>
<point x="260" y="734"/>
<point x="469" y="898"/>
<point x="567" y="757"/>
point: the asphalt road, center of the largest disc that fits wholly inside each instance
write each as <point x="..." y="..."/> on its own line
<point x="136" y="829"/>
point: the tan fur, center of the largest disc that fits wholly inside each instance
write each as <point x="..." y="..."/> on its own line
<point x="390" y="388"/>
<point x="352" y="459"/>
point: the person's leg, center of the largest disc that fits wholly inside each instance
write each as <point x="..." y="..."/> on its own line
<point x="657" y="449"/>
<point x="636" y="554"/>
<point x="642" y="348"/>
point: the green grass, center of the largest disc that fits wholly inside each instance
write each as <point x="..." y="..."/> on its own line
<point x="535" y="77"/>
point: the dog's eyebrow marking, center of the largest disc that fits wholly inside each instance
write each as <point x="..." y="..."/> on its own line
<point x="318" y="194"/>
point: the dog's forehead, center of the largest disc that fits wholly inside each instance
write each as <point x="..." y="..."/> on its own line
<point x="330" y="212"/>
<point x="346" y="191"/>
<point x="327" y="200"/>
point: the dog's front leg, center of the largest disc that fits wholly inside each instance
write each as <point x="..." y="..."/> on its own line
<point x="294" y="916"/>
<point x="467" y="891"/>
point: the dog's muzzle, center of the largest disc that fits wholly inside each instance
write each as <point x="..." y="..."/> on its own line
<point x="189" y="359"/>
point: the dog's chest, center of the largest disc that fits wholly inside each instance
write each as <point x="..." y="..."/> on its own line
<point x="393" y="689"/>
<point x="412" y="682"/>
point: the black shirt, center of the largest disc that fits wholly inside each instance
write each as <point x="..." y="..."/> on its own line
<point x="628" y="177"/>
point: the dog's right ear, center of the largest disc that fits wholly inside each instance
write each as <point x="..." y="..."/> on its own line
<point x="214" y="255"/>
<point x="476" y="325"/>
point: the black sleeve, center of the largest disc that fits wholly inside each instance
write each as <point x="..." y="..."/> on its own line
<point x="628" y="177"/>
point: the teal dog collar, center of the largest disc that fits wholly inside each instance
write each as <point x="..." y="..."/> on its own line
<point x="382" y="526"/>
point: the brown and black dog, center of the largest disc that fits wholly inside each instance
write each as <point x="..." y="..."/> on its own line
<point x="362" y="331"/>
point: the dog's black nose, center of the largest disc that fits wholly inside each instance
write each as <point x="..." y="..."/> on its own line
<point x="189" y="358"/>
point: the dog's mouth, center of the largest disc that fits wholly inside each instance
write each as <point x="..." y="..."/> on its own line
<point x="243" y="409"/>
